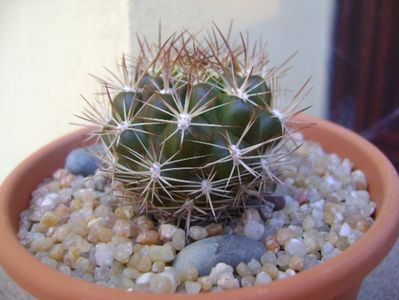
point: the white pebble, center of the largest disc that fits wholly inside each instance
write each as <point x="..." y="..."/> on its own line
<point x="290" y="272"/>
<point x="85" y="194"/>
<point x="197" y="233"/>
<point x="49" y="202"/>
<point x="328" y="251"/>
<point x="282" y="275"/>
<point x="175" y="273"/>
<point x="130" y="273"/>
<point x="104" y="254"/>
<point x="123" y="251"/>
<point x="102" y="273"/>
<point x="254" y="229"/>
<point x="41" y="244"/>
<point x="166" y="231"/>
<point x="218" y="270"/>
<point x="345" y="230"/>
<point x="143" y="282"/>
<point x="310" y="261"/>
<point x="248" y="280"/>
<point x="255" y="266"/>
<point x="64" y="269"/>
<point x="296" y="247"/>
<point x="251" y="214"/>
<point x="227" y="281"/>
<point x="263" y="277"/>
<point x="359" y="179"/>
<point x="173" y="282"/>
<point x="269" y="257"/>
<point x="192" y="287"/>
<point x="125" y="283"/>
<point x="49" y="261"/>
<point x="179" y="239"/>
<point x="161" y="284"/>
<point x="163" y="253"/>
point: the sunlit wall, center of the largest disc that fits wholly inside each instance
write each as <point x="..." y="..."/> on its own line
<point x="48" y="47"/>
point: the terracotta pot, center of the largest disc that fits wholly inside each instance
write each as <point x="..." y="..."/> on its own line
<point x="339" y="278"/>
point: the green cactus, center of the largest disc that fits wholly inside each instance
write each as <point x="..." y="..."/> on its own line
<point x="193" y="127"/>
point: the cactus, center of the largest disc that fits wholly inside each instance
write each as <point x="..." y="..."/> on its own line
<point x="194" y="127"/>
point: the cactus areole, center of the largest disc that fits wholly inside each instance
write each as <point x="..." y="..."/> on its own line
<point x="192" y="127"/>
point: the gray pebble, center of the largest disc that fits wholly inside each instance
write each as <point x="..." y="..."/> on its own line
<point x="230" y="249"/>
<point x="81" y="161"/>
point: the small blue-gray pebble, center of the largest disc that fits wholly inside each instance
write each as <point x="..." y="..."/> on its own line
<point x="230" y="249"/>
<point x="81" y="161"/>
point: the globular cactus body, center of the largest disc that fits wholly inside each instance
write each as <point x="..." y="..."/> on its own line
<point x="189" y="129"/>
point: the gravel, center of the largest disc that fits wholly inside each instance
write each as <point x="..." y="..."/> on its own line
<point x="76" y="225"/>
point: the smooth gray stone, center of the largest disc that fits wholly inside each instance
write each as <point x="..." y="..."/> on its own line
<point x="82" y="161"/>
<point x="230" y="249"/>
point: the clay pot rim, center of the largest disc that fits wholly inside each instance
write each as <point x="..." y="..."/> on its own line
<point x="364" y="254"/>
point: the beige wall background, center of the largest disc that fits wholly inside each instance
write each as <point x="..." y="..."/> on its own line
<point x="48" y="47"/>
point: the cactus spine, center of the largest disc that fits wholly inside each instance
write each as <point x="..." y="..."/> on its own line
<point x="193" y="127"/>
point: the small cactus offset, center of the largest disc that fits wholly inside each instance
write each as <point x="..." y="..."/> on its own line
<point x="194" y="127"/>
